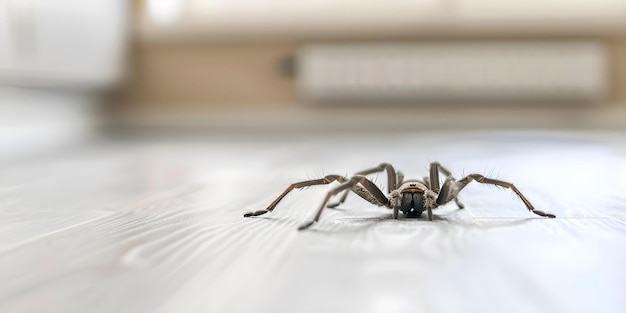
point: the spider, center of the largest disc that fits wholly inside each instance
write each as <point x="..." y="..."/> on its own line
<point x="411" y="197"/>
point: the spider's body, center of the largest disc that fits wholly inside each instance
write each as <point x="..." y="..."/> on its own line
<point x="411" y="197"/>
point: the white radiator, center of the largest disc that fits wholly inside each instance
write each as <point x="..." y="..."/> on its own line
<point x="459" y="71"/>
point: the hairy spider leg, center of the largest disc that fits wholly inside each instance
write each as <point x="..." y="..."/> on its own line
<point x="321" y="181"/>
<point x="434" y="184"/>
<point x="451" y="189"/>
<point x="374" y="191"/>
<point x="393" y="180"/>
<point x="400" y="179"/>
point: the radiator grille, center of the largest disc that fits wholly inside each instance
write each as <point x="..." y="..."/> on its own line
<point x="453" y="71"/>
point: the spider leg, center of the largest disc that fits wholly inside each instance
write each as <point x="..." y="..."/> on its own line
<point x="367" y="184"/>
<point x="450" y="191"/>
<point x="341" y="200"/>
<point x="322" y="181"/>
<point x="452" y="188"/>
<point x="435" y="169"/>
<point x="400" y="179"/>
<point x="366" y="195"/>
<point x="393" y="180"/>
<point x="426" y="181"/>
<point x="459" y="203"/>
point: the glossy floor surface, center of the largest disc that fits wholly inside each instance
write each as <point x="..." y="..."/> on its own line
<point x="156" y="226"/>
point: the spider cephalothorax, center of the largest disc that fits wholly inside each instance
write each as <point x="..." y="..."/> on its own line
<point x="411" y="197"/>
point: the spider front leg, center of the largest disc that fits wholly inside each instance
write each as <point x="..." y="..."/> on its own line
<point x="451" y="189"/>
<point x="433" y="181"/>
<point x="393" y="180"/>
<point x="373" y="190"/>
<point x="322" y="181"/>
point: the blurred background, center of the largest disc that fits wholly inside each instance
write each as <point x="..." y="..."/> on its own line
<point x="135" y="133"/>
<point x="71" y="69"/>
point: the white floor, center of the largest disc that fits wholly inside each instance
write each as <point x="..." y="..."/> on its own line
<point x="156" y="226"/>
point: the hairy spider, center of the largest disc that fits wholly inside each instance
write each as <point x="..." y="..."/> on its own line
<point x="411" y="197"/>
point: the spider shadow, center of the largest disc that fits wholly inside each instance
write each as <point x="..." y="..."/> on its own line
<point x="359" y="224"/>
<point x="454" y="218"/>
<point x="351" y="224"/>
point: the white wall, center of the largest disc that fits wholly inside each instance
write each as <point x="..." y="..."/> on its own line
<point x="55" y="57"/>
<point x="67" y="43"/>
